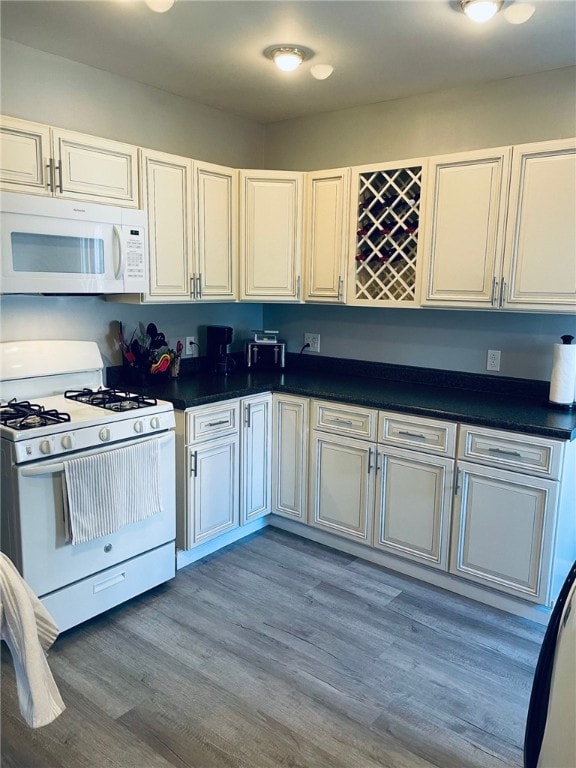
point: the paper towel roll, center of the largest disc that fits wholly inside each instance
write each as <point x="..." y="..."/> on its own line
<point x="563" y="379"/>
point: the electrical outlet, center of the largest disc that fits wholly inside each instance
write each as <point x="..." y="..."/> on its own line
<point x="493" y="360"/>
<point x="314" y="340"/>
<point x="190" y="348"/>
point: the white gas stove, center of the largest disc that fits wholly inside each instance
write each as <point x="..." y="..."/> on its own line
<point x="54" y="410"/>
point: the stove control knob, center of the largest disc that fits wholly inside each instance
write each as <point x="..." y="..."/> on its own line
<point x="138" y="426"/>
<point x="67" y="442"/>
<point x="104" y="434"/>
<point x="45" y="446"/>
<point x="155" y="422"/>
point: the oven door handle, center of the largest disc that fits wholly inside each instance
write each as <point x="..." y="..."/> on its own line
<point x="49" y="469"/>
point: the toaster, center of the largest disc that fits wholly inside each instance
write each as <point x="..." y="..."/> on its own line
<point x="265" y="351"/>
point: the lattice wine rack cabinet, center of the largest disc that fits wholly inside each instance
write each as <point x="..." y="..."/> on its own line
<point x="387" y="235"/>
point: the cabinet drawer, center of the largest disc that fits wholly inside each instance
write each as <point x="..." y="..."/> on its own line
<point x="438" y="437"/>
<point x="510" y="450"/>
<point x="212" y="421"/>
<point x="346" y="420"/>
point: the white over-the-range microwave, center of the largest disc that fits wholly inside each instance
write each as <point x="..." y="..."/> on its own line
<point x="52" y="245"/>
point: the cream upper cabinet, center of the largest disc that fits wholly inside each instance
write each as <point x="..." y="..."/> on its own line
<point x="463" y="232"/>
<point x="270" y="235"/>
<point x="327" y="195"/>
<point x="216" y="238"/>
<point x="192" y="228"/>
<point x="540" y="263"/>
<point x="384" y="235"/>
<point x="167" y="189"/>
<point x="42" y="160"/>
<point x="500" y="231"/>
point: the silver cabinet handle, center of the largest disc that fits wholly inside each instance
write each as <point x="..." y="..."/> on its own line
<point x="376" y="457"/>
<point x="340" y="284"/>
<point x="50" y="179"/>
<point x="193" y="286"/>
<point x="217" y="423"/>
<point x="417" y="435"/>
<point x="503" y="293"/>
<point x="369" y="460"/>
<point x="199" y="278"/>
<point x="58" y="168"/>
<point x="336" y="420"/>
<point x="194" y="467"/>
<point x="494" y="291"/>
<point x="457" y="483"/>
<point x="503" y="452"/>
<point x="247" y="416"/>
<point x="298" y="287"/>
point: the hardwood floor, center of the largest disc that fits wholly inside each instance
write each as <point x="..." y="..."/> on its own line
<point x="280" y="652"/>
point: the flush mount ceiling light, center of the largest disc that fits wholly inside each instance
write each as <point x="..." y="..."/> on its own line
<point x="480" y="10"/>
<point x="159" y="6"/>
<point x="288" y="57"/>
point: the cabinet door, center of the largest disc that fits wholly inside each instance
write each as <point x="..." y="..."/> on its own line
<point x="503" y="530"/>
<point x="541" y="236"/>
<point x="168" y="196"/>
<point x="290" y="456"/>
<point x="24" y="156"/>
<point x="256" y="458"/>
<point x="341" y="486"/>
<point x="90" y="168"/>
<point x="213" y="498"/>
<point x="463" y="232"/>
<point x="216" y="194"/>
<point x="270" y="235"/>
<point x="414" y="497"/>
<point x="327" y="202"/>
<point x="384" y="234"/>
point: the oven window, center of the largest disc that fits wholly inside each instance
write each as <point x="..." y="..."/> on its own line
<point x="57" y="253"/>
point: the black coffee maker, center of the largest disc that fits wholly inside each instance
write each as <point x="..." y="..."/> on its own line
<point x="218" y="339"/>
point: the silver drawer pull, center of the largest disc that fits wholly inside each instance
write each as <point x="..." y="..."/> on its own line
<point x="501" y="451"/>
<point x="417" y="435"/>
<point x="217" y="423"/>
<point x="335" y="420"/>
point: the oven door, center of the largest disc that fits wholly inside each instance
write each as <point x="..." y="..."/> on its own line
<point x="47" y="560"/>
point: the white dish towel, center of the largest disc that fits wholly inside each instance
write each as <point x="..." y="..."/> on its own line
<point x="106" y="491"/>
<point x="29" y="630"/>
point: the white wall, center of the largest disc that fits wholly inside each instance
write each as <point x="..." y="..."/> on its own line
<point x="49" y="89"/>
<point x="92" y="318"/>
<point x="512" y="111"/>
<point x="453" y="340"/>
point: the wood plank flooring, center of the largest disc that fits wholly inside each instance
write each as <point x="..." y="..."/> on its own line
<point x="279" y="652"/>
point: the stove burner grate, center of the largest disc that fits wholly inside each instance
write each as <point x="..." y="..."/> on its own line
<point x="22" y="414"/>
<point x="111" y="399"/>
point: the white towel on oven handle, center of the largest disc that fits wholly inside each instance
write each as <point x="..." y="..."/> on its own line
<point x="29" y="630"/>
<point x="106" y="491"/>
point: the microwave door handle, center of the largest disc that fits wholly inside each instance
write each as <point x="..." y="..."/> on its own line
<point x="122" y="262"/>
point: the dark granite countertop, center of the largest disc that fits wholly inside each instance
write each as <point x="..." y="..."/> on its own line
<point x="502" y="403"/>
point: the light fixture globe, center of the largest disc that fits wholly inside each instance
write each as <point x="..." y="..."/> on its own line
<point x="480" y="11"/>
<point x="288" y="57"/>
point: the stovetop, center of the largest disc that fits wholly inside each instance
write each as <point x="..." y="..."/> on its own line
<point x="22" y="415"/>
<point x="110" y="399"/>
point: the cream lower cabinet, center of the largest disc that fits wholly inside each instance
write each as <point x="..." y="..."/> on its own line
<point x="503" y="530"/>
<point x="256" y="457"/>
<point x="290" y="456"/>
<point x="413" y="505"/>
<point x="513" y="527"/>
<point x="342" y="488"/>
<point x="42" y="160"/>
<point x="270" y="235"/>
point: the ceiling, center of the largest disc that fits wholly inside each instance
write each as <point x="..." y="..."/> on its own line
<point x="211" y="51"/>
